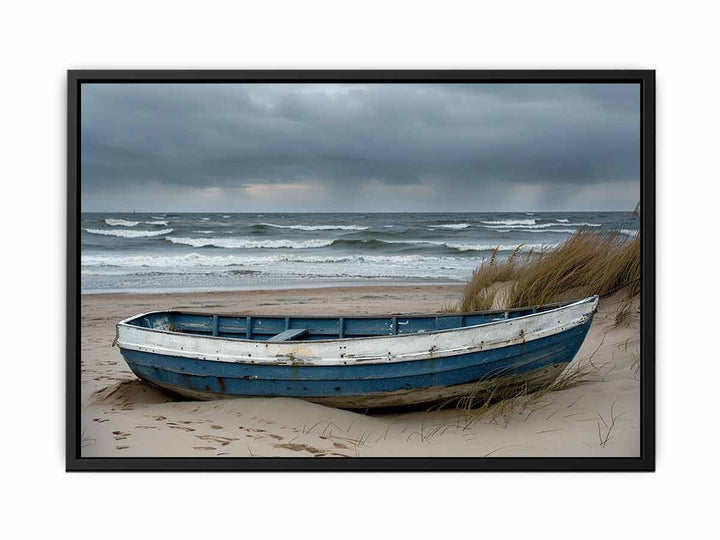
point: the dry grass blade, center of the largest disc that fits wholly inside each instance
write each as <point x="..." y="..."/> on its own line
<point x="605" y="437"/>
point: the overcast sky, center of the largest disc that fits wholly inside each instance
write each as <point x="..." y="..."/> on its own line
<point x="353" y="147"/>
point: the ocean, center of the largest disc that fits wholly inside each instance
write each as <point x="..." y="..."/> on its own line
<point x="225" y="251"/>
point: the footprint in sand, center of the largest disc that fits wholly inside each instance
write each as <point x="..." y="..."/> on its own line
<point x="184" y="428"/>
<point x="223" y="441"/>
<point x="299" y="447"/>
<point x="316" y="452"/>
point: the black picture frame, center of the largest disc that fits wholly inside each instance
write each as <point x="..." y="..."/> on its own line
<point x="646" y="460"/>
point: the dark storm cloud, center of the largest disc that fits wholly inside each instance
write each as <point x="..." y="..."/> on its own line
<point x="557" y="138"/>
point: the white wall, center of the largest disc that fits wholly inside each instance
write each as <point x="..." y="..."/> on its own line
<point x="39" y="42"/>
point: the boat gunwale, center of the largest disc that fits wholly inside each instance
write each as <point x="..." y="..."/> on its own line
<point x="552" y="305"/>
<point x="558" y="306"/>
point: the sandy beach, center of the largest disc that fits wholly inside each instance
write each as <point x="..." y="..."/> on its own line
<point x="122" y="416"/>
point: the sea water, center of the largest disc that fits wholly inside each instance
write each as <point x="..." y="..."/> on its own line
<point x="227" y="251"/>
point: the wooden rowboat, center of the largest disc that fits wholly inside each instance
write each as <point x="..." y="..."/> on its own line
<point x="352" y="362"/>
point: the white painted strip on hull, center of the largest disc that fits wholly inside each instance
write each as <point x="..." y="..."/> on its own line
<point x="379" y="349"/>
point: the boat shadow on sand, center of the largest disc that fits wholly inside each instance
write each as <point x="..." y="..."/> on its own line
<point x="131" y="392"/>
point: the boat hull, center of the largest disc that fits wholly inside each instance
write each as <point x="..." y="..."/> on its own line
<point x="423" y="380"/>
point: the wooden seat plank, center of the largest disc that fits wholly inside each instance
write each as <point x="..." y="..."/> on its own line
<point x="288" y="335"/>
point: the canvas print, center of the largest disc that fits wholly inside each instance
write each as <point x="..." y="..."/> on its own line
<point x="360" y="270"/>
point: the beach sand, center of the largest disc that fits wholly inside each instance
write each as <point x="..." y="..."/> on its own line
<point x="122" y="416"/>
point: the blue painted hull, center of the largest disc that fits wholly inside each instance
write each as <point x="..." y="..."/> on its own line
<point x="359" y="385"/>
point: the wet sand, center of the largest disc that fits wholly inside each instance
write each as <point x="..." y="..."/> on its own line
<point x="122" y="416"/>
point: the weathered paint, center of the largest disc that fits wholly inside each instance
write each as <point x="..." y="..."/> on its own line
<point x="370" y="371"/>
<point x="480" y="390"/>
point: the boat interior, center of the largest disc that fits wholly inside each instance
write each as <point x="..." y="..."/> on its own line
<point x="310" y="328"/>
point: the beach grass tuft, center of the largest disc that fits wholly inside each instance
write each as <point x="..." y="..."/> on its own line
<point x="587" y="263"/>
<point x="486" y="281"/>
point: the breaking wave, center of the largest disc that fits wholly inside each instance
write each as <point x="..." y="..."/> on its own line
<point x="193" y="260"/>
<point x="510" y="222"/>
<point x="452" y="226"/>
<point x="373" y="244"/>
<point x="499" y="247"/>
<point x="120" y="222"/>
<point x="390" y="244"/>
<point x="530" y="227"/>
<point x="566" y="231"/>
<point x="317" y="227"/>
<point x="243" y="243"/>
<point x="128" y="234"/>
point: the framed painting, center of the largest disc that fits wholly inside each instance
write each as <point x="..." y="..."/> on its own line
<point x="361" y="270"/>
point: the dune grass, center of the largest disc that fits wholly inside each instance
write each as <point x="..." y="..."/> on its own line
<point x="485" y="283"/>
<point x="587" y="263"/>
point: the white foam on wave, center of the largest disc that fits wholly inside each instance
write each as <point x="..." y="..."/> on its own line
<point x="499" y="247"/>
<point x="129" y="234"/>
<point x="471" y="247"/>
<point x="205" y="219"/>
<point x="226" y="216"/>
<point x="113" y="222"/>
<point x="510" y="222"/>
<point x="563" y="220"/>
<point x="160" y="261"/>
<point x="193" y="260"/>
<point x="157" y="222"/>
<point x="452" y="226"/>
<point x="317" y="227"/>
<point x="244" y="243"/>
<point x="530" y="227"/>
<point x="566" y="231"/>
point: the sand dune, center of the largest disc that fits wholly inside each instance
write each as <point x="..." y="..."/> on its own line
<point x="122" y="416"/>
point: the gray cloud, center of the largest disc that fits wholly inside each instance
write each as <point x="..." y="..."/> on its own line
<point x="467" y="147"/>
